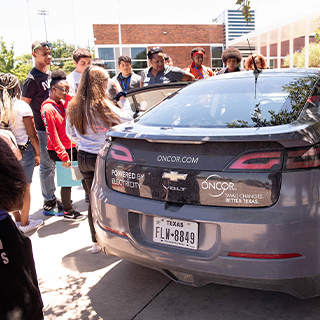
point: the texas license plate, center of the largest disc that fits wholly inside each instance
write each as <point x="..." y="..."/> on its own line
<point x="179" y="233"/>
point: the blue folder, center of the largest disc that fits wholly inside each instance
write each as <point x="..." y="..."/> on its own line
<point x="64" y="176"/>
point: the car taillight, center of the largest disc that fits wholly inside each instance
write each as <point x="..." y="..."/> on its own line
<point x="261" y="160"/>
<point x="303" y="158"/>
<point x="119" y="152"/>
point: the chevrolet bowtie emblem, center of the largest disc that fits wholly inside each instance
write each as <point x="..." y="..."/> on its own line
<point x="174" y="176"/>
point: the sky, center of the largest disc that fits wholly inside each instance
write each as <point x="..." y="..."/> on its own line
<point x="71" y="20"/>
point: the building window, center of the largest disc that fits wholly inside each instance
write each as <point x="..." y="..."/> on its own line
<point x="271" y="62"/>
<point x="107" y="55"/>
<point x="139" y="59"/>
<point x="216" y="61"/>
<point x="110" y="57"/>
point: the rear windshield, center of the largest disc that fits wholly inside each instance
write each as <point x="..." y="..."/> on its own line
<point x="265" y="100"/>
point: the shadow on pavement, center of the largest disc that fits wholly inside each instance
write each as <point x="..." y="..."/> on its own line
<point x="126" y="288"/>
<point x="58" y="227"/>
<point x="84" y="261"/>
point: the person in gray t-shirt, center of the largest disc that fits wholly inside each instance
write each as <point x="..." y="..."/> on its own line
<point x="159" y="72"/>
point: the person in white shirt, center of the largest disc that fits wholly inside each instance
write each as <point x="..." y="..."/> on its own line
<point x="17" y="116"/>
<point x="81" y="59"/>
<point x="89" y="116"/>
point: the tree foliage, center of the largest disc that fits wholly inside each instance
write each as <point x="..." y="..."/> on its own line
<point x="245" y="8"/>
<point x="60" y="49"/>
<point x="299" y="57"/>
<point x="61" y="52"/>
<point x="298" y="92"/>
<point x="69" y="67"/>
<point x="22" y="65"/>
<point x="317" y="31"/>
<point x="6" y="57"/>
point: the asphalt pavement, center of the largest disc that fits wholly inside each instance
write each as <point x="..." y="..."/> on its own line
<point x="76" y="284"/>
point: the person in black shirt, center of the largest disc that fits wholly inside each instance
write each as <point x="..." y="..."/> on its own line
<point x="35" y="91"/>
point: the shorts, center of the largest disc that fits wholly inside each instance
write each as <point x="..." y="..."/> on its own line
<point x="28" y="162"/>
<point x="54" y="157"/>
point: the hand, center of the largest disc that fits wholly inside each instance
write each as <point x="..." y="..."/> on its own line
<point x="66" y="164"/>
<point x="37" y="160"/>
<point x="116" y="86"/>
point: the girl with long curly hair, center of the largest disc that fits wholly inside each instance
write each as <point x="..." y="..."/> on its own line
<point x="89" y="116"/>
<point x="258" y="59"/>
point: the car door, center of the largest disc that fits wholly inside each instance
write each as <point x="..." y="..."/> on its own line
<point x="142" y="99"/>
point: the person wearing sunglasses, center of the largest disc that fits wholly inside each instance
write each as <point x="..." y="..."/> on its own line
<point x="159" y="72"/>
<point x="53" y="112"/>
<point x="35" y="90"/>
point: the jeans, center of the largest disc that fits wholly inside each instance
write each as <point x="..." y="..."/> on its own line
<point x="47" y="169"/>
<point x="87" y="163"/>
<point x="28" y="162"/>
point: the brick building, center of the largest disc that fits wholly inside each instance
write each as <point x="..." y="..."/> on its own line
<point x="176" y="40"/>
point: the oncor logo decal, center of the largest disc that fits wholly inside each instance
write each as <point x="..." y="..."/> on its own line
<point x="177" y="159"/>
<point x="219" y="186"/>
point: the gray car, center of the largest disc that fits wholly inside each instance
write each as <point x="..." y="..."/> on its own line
<point x="219" y="183"/>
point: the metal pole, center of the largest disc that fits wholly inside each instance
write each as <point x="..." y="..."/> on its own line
<point x="29" y="22"/>
<point x="120" y="39"/>
<point x="44" y="13"/>
<point x="74" y="27"/>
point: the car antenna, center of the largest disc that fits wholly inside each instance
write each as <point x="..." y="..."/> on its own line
<point x="253" y="60"/>
<point x="256" y="71"/>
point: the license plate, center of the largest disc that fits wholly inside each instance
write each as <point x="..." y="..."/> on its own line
<point x="179" y="233"/>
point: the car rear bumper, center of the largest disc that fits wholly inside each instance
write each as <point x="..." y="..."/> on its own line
<point x="276" y="230"/>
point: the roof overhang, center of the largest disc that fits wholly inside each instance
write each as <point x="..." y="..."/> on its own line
<point x="295" y="26"/>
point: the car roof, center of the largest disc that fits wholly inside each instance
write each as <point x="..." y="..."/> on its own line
<point x="270" y="72"/>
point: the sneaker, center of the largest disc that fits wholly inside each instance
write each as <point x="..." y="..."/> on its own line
<point x="53" y="212"/>
<point x="53" y="208"/>
<point x="95" y="248"/>
<point x="33" y="224"/>
<point x="73" y="215"/>
<point x="18" y="224"/>
<point x="59" y="205"/>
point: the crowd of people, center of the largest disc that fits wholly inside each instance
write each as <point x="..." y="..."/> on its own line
<point x="60" y="118"/>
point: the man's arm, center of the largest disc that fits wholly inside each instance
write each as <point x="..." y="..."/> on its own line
<point x="188" y="77"/>
<point x="27" y="100"/>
